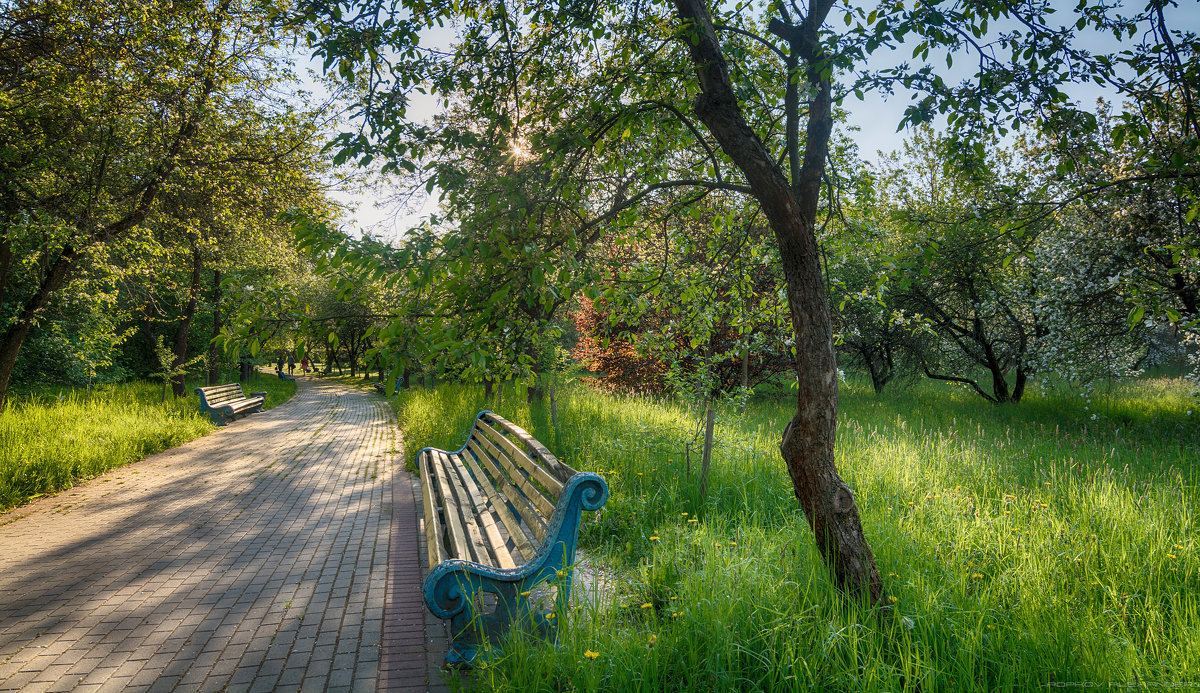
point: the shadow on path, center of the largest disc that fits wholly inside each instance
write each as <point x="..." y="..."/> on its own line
<point x="254" y="558"/>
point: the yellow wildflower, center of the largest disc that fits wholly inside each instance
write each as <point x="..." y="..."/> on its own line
<point x="693" y="520"/>
<point x="647" y="605"/>
<point x="525" y="593"/>
<point x="591" y="654"/>
<point x="733" y="543"/>
<point x="1172" y="556"/>
<point x="893" y="599"/>
<point x="652" y="639"/>
<point x="977" y="576"/>
<point x="654" y="537"/>
<point x="684" y="514"/>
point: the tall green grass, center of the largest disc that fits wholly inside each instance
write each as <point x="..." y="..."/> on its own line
<point x="1026" y="546"/>
<point x="53" y="438"/>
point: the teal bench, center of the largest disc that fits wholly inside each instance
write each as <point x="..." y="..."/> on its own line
<point x="226" y="402"/>
<point x="502" y="517"/>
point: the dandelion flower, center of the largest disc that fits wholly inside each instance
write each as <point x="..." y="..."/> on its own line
<point x="977" y="576"/>
<point x="525" y="593"/>
<point x="654" y="537"/>
<point x="1172" y="556"/>
<point x="683" y="514"/>
<point x="647" y="605"/>
<point x="693" y="520"/>
<point x="562" y="573"/>
<point x="733" y="543"/>
<point x="591" y="654"/>
<point x="893" y="599"/>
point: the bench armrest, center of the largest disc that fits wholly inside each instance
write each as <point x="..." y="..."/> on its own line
<point x="259" y="394"/>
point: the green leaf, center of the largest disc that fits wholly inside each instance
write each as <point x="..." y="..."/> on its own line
<point x="1135" y="316"/>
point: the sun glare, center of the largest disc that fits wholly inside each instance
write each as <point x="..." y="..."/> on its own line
<point x="519" y="150"/>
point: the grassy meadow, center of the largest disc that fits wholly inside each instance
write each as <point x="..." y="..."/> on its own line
<point x="55" y="437"/>
<point x="1050" y="544"/>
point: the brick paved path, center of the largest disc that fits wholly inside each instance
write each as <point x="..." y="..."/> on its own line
<point x="255" y="558"/>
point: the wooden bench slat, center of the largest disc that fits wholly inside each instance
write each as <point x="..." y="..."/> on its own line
<point x="497" y="546"/>
<point x="545" y="458"/>
<point x="470" y="512"/>
<point x="500" y="507"/>
<point x="226" y="401"/>
<point x="522" y="458"/>
<point x="489" y="518"/>
<point x="451" y="515"/>
<point x="544" y="504"/>
<point x="433" y="521"/>
<point x="516" y="498"/>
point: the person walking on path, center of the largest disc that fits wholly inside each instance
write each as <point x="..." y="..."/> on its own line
<point x="304" y="364"/>
<point x="279" y="369"/>
<point x="291" y="364"/>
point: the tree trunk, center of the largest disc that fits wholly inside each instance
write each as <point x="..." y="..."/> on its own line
<point x="15" y="336"/>
<point x="808" y="440"/>
<point x="746" y="373"/>
<point x="535" y="392"/>
<point x="710" y="416"/>
<point x="214" y="354"/>
<point x="178" y="383"/>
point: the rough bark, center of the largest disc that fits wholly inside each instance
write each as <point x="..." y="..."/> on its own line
<point x="178" y="383"/>
<point x="790" y="209"/>
<point x="15" y="335"/>
<point x="214" y="354"/>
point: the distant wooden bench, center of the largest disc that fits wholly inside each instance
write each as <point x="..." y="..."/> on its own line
<point x="382" y="388"/>
<point x="502" y="516"/>
<point x="224" y="402"/>
<point x="284" y="376"/>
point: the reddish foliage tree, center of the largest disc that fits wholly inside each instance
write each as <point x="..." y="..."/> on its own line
<point x="605" y="350"/>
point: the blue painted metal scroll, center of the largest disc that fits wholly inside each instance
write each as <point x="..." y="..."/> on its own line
<point x="453" y="588"/>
